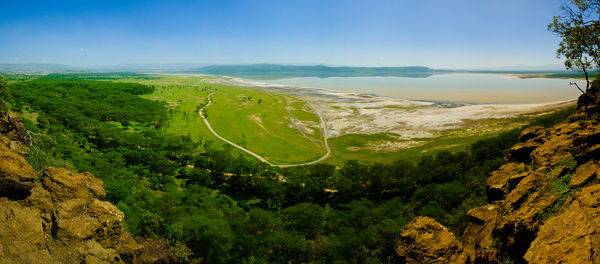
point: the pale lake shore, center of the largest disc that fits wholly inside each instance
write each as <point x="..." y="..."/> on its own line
<point x="366" y="113"/>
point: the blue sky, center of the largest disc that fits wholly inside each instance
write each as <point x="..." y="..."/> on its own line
<point x="441" y="34"/>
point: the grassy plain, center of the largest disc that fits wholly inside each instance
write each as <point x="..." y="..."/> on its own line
<point x="281" y="128"/>
<point x="278" y="127"/>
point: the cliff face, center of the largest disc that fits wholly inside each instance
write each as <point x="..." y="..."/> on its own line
<point x="62" y="218"/>
<point x="544" y="205"/>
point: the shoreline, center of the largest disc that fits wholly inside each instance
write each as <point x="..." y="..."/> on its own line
<point x="359" y="113"/>
<point x="322" y="91"/>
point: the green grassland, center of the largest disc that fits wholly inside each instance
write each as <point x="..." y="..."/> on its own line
<point x="183" y="110"/>
<point x="276" y="126"/>
<point x="281" y="128"/>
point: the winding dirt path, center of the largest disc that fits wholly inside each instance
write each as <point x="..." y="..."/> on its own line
<point x="259" y="157"/>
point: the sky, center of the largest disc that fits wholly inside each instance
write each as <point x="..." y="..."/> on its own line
<point x="436" y="33"/>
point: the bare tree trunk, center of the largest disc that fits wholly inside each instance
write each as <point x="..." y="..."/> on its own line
<point x="576" y="85"/>
<point x="587" y="79"/>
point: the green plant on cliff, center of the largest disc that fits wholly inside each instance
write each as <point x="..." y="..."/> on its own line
<point x="560" y="185"/>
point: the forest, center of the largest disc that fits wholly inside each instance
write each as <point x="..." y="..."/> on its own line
<point x="213" y="205"/>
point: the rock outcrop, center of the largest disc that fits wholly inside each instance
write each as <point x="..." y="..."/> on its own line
<point x="544" y="205"/>
<point x="424" y="240"/>
<point x="62" y="217"/>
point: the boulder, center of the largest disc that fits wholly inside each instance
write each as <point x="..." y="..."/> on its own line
<point x="585" y="174"/>
<point x="66" y="184"/>
<point x="521" y="152"/>
<point x="16" y="175"/>
<point x="586" y="143"/>
<point x="424" y="240"/>
<point x="554" y="150"/>
<point x="22" y="235"/>
<point x="526" y="187"/>
<point x="572" y="236"/>
<point x="83" y="219"/>
<point x="532" y="133"/>
<point x="479" y="242"/>
<point x="502" y="181"/>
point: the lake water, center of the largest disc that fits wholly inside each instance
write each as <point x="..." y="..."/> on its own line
<point x="457" y="87"/>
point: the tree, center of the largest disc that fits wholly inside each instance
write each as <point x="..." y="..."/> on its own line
<point x="3" y="93"/>
<point x="3" y="87"/>
<point x="579" y="28"/>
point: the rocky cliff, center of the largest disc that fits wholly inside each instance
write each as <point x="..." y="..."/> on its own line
<point x="544" y="204"/>
<point x="61" y="218"/>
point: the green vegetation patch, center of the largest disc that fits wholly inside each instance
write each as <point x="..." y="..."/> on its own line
<point x="183" y="104"/>
<point x="386" y="148"/>
<point x="266" y="123"/>
<point x="281" y="128"/>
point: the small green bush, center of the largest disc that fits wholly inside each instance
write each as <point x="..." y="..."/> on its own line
<point x="560" y="185"/>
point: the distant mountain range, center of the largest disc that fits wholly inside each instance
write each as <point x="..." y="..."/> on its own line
<point x="36" y="68"/>
<point x="274" y="71"/>
<point x="260" y="71"/>
<point x="62" y="68"/>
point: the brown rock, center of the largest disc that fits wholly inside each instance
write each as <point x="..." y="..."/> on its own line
<point x="18" y="131"/>
<point x="14" y="167"/>
<point x="65" y="184"/>
<point x="553" y="151"/>
<point x="586" y="144"/>
<point x="521" y="152"/>
<point x="583" y="154"/>
<point x="156" y="251"/>
<point x="573" y="236"/>
<point x="520" y="224"/>
<point x="503" y="180"/>
<point x="424" y="240"/>
<point x="585" y="174"/>
<point x="41" y="199"/>
<point x="479" y="235"/>
<point x="525" y="188"/>
<point x="22" y="235"/>
<point x="16" y="175"/>
<point x="82" y="219"/>
<point x="531" y="133"/>
<point x="567" y="128"/>
<point x="94" y="252"/>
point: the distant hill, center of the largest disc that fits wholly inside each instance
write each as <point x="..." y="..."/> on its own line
<point x="275" y="71"/>
<point x="36" y="68"/>
<point x="272" y="71"/>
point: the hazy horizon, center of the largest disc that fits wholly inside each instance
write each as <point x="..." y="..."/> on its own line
<point x="458" y="35"/>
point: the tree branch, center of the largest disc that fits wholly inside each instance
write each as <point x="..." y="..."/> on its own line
<point x="574" y="83"/>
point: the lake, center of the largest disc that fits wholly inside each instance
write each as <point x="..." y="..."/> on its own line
<point x="456" y="87"/>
